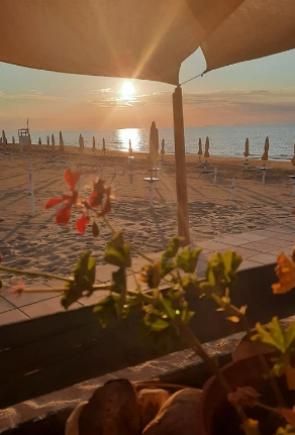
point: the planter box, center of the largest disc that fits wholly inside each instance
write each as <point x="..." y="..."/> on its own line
<point x="52" y="352"/>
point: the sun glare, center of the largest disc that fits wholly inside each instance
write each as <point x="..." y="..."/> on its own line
<point x="127" y="90"/>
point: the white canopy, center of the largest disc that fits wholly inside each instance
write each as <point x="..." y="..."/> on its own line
<point x="145" y="39"/>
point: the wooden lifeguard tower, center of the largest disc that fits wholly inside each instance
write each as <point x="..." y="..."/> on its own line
<point x="24" y="137"/>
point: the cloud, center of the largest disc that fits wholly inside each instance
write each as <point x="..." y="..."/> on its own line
<point x="31" y="95"/>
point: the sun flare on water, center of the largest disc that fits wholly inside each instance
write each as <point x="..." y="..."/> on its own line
<point x="127" y="90"/>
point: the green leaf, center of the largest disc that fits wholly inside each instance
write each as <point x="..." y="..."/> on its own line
<point x="172" y="247"/>
<point x="158" y="325"/>
<point x="167" y="260"/>
<point x="83" y="280"/>
<point x="119" y="281"/>
<point x="287" y="430"/>
<point x="106" y="311"/>
<point x="117" y="251"/>
<point x="187" y="259"/>
<point x="151" y="274"/>
<point x="290" y="335"/>
<point x="271" y="334"/>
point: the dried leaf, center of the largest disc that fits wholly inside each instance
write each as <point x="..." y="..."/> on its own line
<point x="178" y="415"/>
<point x="112" y="410"/>
<point x="150" y="402"/>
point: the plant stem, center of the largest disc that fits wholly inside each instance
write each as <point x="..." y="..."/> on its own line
<point x="34" y="274"/>
<point x="104" y="286"/>
<point x="141" y="254"/>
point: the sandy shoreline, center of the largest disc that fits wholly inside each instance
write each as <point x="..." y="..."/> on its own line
<point x="231" y="201"/>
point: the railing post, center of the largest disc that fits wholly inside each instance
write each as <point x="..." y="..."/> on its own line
<point x="181" y="185"/>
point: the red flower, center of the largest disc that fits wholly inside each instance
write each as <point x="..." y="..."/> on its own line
<point x="71" y="178"/>
<point x="100" y="196"/>
<point x="63" y="214"/>
<point x="81" y="223"/>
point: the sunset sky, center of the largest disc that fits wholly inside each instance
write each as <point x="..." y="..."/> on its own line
<point x="260" y="91"/>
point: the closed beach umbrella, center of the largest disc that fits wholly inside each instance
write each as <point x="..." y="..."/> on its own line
<point x="200" y="150"/>
<point x="293" y="158"/>
<point x="52" y="140"/>
<point x="48" y="141"/>
<point x="163" y="146"/>
<point x="4" y="139"/>
<point x="246" y="151"/>
<point x="206" y="153"/>
<point x="266" y="149"/>
<point x="130" y="146"/>
<point x="13" y="140"/>
<point x="81" y="142"/>
<point x="39" y="141"/>
<point x="153" y="144"/>
<point x="93" y="143"/>
<point x="61" y="142"/>
<point x="104" y="145"/>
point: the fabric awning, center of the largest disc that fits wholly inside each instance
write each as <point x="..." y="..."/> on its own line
<point x="145" y="39"/>
<point x="256" y="28"/>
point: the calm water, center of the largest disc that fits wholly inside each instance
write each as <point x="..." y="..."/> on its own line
<point x="224" y="140"/>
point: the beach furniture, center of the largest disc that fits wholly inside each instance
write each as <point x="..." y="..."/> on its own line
<point x="4" y="138"/>
<point x="153" y="145"/>
<point x="130" y="151"/>
<point x="61" y="142"/>
<point x="162" y="147"/>
<point x="200" y="150"/>
<point x="206" y="153"/>
<point x="264" y="156"/>
<point x="246" y="151"/>
<point x="81" y="142"/>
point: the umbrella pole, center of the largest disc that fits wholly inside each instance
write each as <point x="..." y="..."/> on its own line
<point x="181" y="185"/>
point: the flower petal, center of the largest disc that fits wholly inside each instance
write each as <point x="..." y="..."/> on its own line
<point x="71" y="178"/>
<point x="53" y="201"/>
<point x="63" y="215"/>
<point x="285" y="271"/>
<point x="81" y="223"/>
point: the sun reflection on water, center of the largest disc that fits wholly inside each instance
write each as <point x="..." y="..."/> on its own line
<point x="126" y="134"/>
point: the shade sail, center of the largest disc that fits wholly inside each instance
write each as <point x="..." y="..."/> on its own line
<point x="256" y="28"/>
<point x="145" y="39"/>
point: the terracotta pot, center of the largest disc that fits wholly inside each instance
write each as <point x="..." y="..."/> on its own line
<point x="214" y="405"/>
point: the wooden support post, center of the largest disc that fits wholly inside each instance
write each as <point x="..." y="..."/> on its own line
<point x="181" y="187"/>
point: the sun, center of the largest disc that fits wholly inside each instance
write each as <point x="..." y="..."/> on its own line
<point x="127" y="90"/>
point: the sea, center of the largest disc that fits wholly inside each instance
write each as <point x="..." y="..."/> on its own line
<point x="224" y="140"/>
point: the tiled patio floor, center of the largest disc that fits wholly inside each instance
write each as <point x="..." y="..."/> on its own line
<point x="257" y="247"/>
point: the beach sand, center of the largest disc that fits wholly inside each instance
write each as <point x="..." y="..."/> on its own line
<point x="232" y="201"/>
